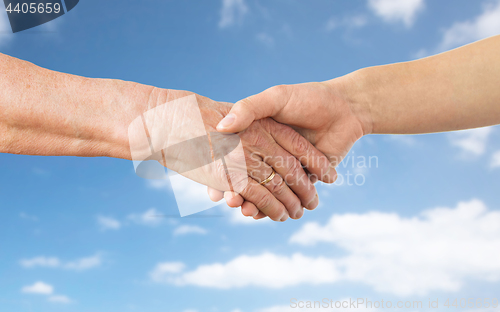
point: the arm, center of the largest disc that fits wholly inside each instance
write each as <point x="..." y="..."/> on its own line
<point x="459" y="89"/>
<point x="43" y="112"/>
<point x="455" y="90"/>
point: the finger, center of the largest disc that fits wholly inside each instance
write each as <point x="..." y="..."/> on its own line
<point x="263" y="200"/>
<point x="315" y="202"/>
<point x="298" y="146"/>
<point x="329" y="178"/>
<point x="249" y="210"/>
<point x="215" y="195"/>
<point x="233" y="199"/>
<point x="258" y="106"/>
<point x="278" y="187"/>
<point x="289" y="169"/>
<point x="295" y="177"/>
<point x="312" y="177"/>
<point x="260" y="215"/>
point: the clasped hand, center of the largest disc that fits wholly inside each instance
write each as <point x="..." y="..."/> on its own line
<point x="289" y="141"/>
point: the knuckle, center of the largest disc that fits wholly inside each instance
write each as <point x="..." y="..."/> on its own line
<point x="295" y="169"/>
<point x="245" y="104"/>
<point x="279" y="90"/>
<point x="243" y="186"/>
<point x="300" y="144"/>
<point x="232" y="179"/>
<point x="256" y="170"/>
<point x="253" y="136"/>
<point x="268" y="124"/>
<point x="252" y="159"/>
<point x="260" y="140"/>
<point x="265" y="203"/>
<point x="220" y="172"/>
<point x="277" y="187"/>
<point x="237" y="181"/>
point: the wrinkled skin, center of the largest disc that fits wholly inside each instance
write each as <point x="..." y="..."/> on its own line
<point x="262" y="150"/>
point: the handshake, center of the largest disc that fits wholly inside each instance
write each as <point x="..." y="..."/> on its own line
<point x="263" y="154"/>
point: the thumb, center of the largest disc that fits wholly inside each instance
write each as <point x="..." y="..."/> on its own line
<point x="265" y="104"/>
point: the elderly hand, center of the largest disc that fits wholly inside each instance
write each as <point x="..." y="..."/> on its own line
<point x="171" y="118"/>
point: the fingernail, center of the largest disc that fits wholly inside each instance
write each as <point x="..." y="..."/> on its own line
<point x="284" y="218"/>
<point x="314" y="203"/>
<point x="326" y="177"/>
<point x="299" y="213"/>
<point x="226" y="121"/>
<point x="313" y="178"/>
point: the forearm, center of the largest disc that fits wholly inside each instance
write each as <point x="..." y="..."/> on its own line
<point x="43" y="112"/>
<point x="459" y="89"/>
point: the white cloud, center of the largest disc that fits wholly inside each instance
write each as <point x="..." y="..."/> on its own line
<point x="54" y="262"/>
<point x="437" y="251"/>
<point x="191" y="197"/>
<point x="194" y="196"/>
<point x="189" y="229"/>
<point x="236" y="217"/>
<point x="485" y="25"/>
<point x="495" y="160"/>
<point x="232" y="12"/>
<point x="163" y="269"/>
<point x="397" y="10"/>
<point x="266" y="270"/>
<point x="47" y="262"/>
<point x="38" y="288"/>
<point x="59" y="299"/>
<point x="159" y="184"/>
<point x="151" y="217"/>
<point x="471" y="141"/>
<point x="84" y="263"/>
<point x="41" y="288"/>
<point x="108" y="223"/>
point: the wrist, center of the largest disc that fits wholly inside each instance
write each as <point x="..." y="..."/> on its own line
<point x="123" y="101"/>
<point x="133" y="100"/>
<point x="353" y="91"/>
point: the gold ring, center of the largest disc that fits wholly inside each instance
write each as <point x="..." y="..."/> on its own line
<point x="268" y="179"/>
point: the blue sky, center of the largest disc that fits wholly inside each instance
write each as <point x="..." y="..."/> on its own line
<point x="77" y="234"/>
